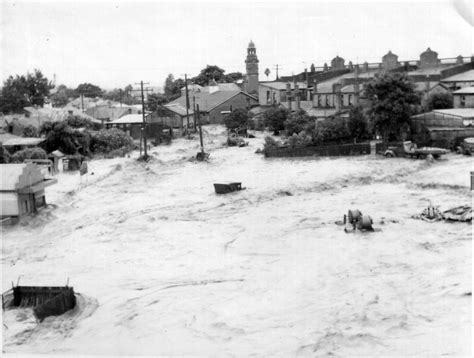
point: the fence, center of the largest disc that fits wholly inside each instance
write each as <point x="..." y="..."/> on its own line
<point x="322" y="151"/>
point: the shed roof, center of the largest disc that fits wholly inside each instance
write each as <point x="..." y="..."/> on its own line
<point x="128" y="119"/>
<point x="207" y="101"/>
<point x="457" y="112"/>
<point x="460" y="77"/>
<point x="8" y="139"/>
<point x="178" y="108"/>
<point x="466" y="90"/>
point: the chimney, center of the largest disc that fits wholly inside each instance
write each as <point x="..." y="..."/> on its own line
<point x="288" y="95"/>
<point x="337" y="93"/>
<point x="129" y="111"/>
<point x="459" y="60"/>
<point x="366" y="66"/>
<point x="297" y="97"/>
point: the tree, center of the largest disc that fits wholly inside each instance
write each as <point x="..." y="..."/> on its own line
<point x="297" y="122"/>
<point x="89" y="90"/>
<point x="233" y="76"/>
<point x="22" y="91"/>
<point x="439" y="101"/>
<point x="237" y="119"/>
<point x="330" y="130"/>
<point x="30" y="131"/>
<point x="28" y="153"/>
<point x="207" y="74"/>
<point x="391" y="100"/>
<point x="107" y="140"/>
<point x="357" y="124"/>
<point x="68" y="140"/>
<point x="63" y="95"/>
<point x="267" y="72"/>
<point x="155" y="100"/>
<point x="173" y="87"/>
<point x="275" y="119"/>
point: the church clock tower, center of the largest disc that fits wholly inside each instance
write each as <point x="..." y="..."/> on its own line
<point x="251" y="77"/>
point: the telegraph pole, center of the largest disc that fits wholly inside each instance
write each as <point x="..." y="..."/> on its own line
<point x="187" y="101"/>
<point x="194" y="115"/>
<point x="200" y="131"/>
<point x="144" y="117"/>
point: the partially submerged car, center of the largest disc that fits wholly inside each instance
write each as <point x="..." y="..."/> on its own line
<point x="466" y="147"/>
<point x="410" y="149"/>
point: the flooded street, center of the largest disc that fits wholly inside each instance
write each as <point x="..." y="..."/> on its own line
<point x="164" y="266"/>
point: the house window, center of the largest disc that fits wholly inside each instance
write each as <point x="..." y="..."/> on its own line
<point x="274" y="98"/>
<point x="268" y="97"/>
<point x="327" y="101"/>
<point x="350" y="100"/>
<point x="463" y="101"/>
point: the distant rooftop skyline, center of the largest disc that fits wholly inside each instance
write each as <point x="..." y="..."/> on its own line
<point x="115" y="43"/>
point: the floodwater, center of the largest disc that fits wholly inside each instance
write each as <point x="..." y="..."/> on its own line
<point x="164" y="266"/>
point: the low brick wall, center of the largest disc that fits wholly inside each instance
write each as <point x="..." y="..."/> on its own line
<point x="322" y="151"/>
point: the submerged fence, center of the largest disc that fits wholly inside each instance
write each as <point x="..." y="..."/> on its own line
<point x="322" y="151"/>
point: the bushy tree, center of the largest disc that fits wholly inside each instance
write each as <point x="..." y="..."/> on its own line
<point x="275" y="119"/>
<point x="107" y="140"/>
<point x="30" y="131"/>
<point x="22" y="91"/>
<point x="297" y="122"/>
<point x="300" y="140"/>
<point x="75" y="121"/>
<point x="331" y="130"/>
<point x="63" y="95"/>
<point x="238" y="118"/>
<point x="233" y="76"/>
<point x="60" y="136"/>
<point x="439" y="101"/>
<point x="28" y="153"/>
<point x="155" y="100"/>
<point x="391" y="100"/>
<point x="357" y="124"/>
<point x="208" y="74"/>
<point x="89" y="90"/>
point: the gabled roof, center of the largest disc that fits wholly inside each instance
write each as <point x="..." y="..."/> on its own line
<point x="128" y="119"/>
<point x="8" y="140"/>
<point x="466" y="90"/>
<point x="110" y="113"/>
<point x="207" y="101"/>
<point x="456" y="112"/>
<point x="467" y="76"/>
<point x="178" y="108"/>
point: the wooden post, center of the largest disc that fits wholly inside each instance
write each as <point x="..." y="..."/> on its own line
<point x="200" y="129"/>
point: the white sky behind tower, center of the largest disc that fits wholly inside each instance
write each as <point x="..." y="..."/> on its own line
<point x="114" y="43"/>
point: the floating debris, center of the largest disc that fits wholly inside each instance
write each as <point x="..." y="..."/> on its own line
<point x="355" y="221"/>
<point x="227" y="188"/>
<point x="45" y="300"/>
<point x="460" y="213"/>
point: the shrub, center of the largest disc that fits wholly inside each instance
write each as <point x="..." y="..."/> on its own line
<point x="357" y="124"/>
<point x="237" y="119"/>
<point x="5" y="156"/>
<point x="330" y="130"/>
<point x="297" y="122"/>
<point x="30" y="131"/>
<point x="66" y="139"/>
<point x="300" y="140"/>
<point x="81" y="122"/>
<point x="270" y="143"/>
<point x="29" y="153"/>
<point x="275" y="119"/>
<point x="438" y="101"/>
<point x="46" y="127"/>
<point x="107" y="140"/>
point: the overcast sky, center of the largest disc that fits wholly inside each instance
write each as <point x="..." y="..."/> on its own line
<point x="114" y="43"/>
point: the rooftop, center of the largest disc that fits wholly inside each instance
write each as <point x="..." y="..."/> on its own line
<point x="282" y="85"/>
<point x="466" y="90"/>
<point x="8" y="140"/>
<point x="128" y="119"/>
<point x="467" y="76"/>
<point x="178" y="108"/>
<point x="456" y="112"/>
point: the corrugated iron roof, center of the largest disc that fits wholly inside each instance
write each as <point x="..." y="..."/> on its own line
<point x="466" y="90"/>
<point x="128" y="119"/>
<point x="460" y="77"/>
<point x="178" y="108"/>
<point x="456" y="112"/>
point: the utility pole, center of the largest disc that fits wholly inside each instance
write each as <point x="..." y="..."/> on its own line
<point x="187" y="101"/>
<point x="277" y="67"/>
<point x="194" y="110"/>
<point x="82" y="102"/>
<point x="200" y="131"/>
<point x="143" y="131"/>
